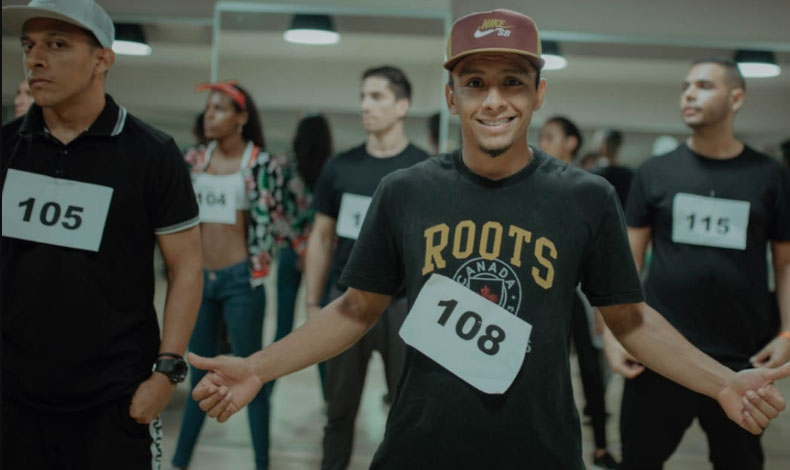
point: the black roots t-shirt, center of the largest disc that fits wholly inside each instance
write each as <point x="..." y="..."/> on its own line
<point x="79" y="327"/>
<point x="355" y="172"/>
<point x="420" y="222"/>
<point x="717" y="297"/>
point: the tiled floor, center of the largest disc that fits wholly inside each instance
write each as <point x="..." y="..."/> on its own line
<point x="297" y="424"/>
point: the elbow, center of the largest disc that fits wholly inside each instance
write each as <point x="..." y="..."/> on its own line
<point x="624" y="319"/>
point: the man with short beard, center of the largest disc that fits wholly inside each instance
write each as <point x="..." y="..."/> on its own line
<point x="490" y="241"/>
<point x="709" y="207"/>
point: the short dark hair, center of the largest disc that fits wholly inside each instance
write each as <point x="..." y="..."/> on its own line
<point x="613" y="139"/>
<point x="732" y="74"/>
<point x="570" y="130"/>
<point x="398" y="82"/>
<point x="252" y="130"/>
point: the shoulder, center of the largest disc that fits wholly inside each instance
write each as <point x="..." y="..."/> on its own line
<point x="425" y="171"/>
<point x="758" y="158"/>
<point x="567" y="178"/>
<point x="415" y="153"/>
<point x="11" y="129"/>
<point x="147" y="134"/>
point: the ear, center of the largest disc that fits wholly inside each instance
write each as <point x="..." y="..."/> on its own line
<point x="243" y="118"/>
<point x="105" y="57"/>
<point x="402" y="107"/>
<point x="450" y="97"/>
<point x="737" y="97"/>
<point x="540" y="95"/>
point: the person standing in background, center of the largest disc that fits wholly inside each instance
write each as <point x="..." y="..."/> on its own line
<point x="23" y="99"/>
<point x="607" y="143"/>
<point x="561" y="138"/>
<point x="312" y="147"/>
<point x="239" y="190"/>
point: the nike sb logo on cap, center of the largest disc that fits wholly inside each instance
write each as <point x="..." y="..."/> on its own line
<point x="490" y="25"/>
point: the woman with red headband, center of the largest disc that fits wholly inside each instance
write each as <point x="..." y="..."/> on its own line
<point x="239" y="191"/>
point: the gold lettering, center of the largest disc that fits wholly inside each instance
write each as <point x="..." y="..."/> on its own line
<point x="433" y="253"/>
<point x="469" y="227"/>
<point x="494" y="253"/>
<point x="521" y="236"/>
<point x="547" y="281"/>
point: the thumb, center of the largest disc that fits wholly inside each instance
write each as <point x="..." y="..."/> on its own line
<point x="204" y="363"/>
<point x="778" y="373"/>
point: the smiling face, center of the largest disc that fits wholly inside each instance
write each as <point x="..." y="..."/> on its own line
<point x="495" y="95"/>
<point x="708" y="97"/>
<point x="62" y="62"/>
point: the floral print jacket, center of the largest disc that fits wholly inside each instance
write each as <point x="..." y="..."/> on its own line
<point x="264" y="181"/>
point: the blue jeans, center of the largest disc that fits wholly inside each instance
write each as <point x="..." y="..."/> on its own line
<point x="228" y="296"/>
<point x="289" y="276"/>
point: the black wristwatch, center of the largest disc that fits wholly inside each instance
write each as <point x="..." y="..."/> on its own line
<point x="173" y="366"/>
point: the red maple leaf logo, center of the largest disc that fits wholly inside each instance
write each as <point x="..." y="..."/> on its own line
<point x="486" y="292"/>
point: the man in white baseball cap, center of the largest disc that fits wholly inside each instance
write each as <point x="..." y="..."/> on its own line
<point x="87" y="189"/>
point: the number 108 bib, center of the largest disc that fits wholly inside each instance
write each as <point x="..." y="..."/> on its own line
<point x="470" y="336"/>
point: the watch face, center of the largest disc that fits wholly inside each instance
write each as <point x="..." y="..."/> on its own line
<point x="174" y="368"/>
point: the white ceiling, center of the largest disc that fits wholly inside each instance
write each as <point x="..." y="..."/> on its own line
<point x="627" y="59"/>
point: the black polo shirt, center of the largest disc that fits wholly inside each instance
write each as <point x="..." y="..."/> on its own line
<point x="79" y="326"/>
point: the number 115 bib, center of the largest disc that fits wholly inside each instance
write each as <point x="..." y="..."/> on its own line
<point x="470" y="336"/>
<point x="709" y="221"/>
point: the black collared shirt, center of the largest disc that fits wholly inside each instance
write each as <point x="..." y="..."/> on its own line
<point x="79" y="327"/>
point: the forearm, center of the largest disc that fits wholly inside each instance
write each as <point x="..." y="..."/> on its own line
<point x="184" y="289"/>
<point x="336" y="328"/>
<point x="317" y="263"/>
<point x="659" y="346"/>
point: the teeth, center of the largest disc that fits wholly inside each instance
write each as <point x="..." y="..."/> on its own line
<point x="495" y="123"/>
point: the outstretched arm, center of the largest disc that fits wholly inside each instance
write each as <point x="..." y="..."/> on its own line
<point x="233" y="382"/>
<point x="749" y="397"/>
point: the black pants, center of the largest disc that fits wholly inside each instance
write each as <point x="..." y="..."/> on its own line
<point x="345" y="378"/>
<point x="590" y="371"/>
<point x="96" y="439"/>
<point x="656" y="413"/>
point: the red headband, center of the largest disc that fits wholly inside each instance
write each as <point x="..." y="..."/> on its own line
<point x="229" y="88"/>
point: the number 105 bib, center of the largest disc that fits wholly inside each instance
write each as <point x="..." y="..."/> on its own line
<point x="54" y="211"/>
<point x="470" y="336"/>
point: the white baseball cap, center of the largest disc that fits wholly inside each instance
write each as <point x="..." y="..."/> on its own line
<point x="83" y="13"/>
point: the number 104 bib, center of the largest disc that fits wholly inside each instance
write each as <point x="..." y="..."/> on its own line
<point x="470" y="336"/>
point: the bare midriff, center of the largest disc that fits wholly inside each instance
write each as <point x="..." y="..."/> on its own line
<point x="224" y="245"/>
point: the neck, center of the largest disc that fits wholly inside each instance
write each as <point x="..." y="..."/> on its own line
<point x="232" y="146"/>
<point x="387" y="143"/>
<point x="68" y="119"/>
<point x="509" y="163"/>
<point x="715" y="142"/>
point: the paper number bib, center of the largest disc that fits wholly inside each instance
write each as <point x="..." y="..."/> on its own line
<point x="54" y="211"/>
<point x="215" y="197"/>
<point x="353" y="209"/>
<point x="472" y="337"/>
<point x="709" y="221"/>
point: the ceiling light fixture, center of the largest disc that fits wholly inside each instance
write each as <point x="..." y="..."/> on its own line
<point x="312" y="29"/>
<point x="550" y="52"/>
<point x="757" y="64"/>
<point x="130" y="40"/>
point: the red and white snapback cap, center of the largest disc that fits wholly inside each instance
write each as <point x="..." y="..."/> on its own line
<point x="500" y="30"/>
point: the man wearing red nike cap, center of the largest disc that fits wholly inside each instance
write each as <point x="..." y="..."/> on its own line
<point x="490" y="241"/>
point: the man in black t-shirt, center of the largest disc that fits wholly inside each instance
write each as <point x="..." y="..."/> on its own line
<point x="87" y="191"/>
<point x="341" y="199"/>
<point x="709" y="207"/>
<point x="490" y="242"/>
<point x="607" y="143"/>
